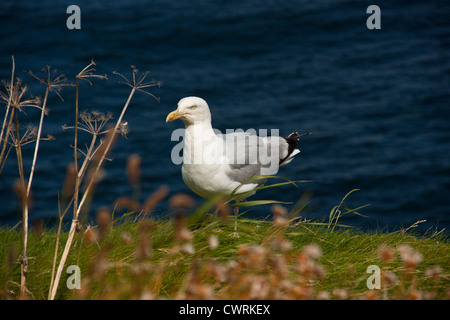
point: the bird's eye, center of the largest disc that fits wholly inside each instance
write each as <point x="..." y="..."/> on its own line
<point x="193" y="107"/>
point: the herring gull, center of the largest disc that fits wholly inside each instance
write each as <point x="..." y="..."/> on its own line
<point x="216" y="164"/>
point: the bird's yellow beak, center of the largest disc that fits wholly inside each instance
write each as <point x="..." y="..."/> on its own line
<point x="174" y="115"/>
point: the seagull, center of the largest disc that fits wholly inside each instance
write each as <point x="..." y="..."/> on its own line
<point x="223" y="165"/>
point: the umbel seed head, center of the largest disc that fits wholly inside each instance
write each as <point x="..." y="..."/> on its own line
<point x="134" y="169"/>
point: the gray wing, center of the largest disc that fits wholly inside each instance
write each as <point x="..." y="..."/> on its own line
<point x="248" y="155"/>
<point x="277" y="148"/>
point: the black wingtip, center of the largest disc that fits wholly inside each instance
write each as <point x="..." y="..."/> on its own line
<point x="292" y="141"/>
<point x="294" y="137"/>
<point x="304" y="134"/>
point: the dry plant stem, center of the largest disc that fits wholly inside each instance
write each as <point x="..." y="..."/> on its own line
<point x="76" y="214"/>
<point x="58" y="235"/>
<point x="27" y="193"/>
<point x="8" y="128"/>
<point x="8" y="107"/>
<point x="36" y="148"/>
<point x="75" y="155"/>
<point x="84" y="74"/>
<point x="7" y="154"/>
<point x="9" y="100"/>
<point x="79" y="178"/>
<point x="23" y="257"/>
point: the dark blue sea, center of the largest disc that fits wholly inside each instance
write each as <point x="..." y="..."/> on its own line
<point x="376" y="101"/>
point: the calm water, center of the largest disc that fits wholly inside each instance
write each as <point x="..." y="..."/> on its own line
<point x="377" y="102"/>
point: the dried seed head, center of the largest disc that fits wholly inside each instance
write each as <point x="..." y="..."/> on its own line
<point x="257" y="256"/>
<point x="280" y="267"/>
<point x="88" y="73"/>
<point x="145" y="226"/>
<point x="99" y="265"/>
<point x="38" y="228"/>
<point x="15" y="95"/>
<point x="319" y="272"/>
<point x="197" y="291"/>
<point x="32" y="131"/>
<point x="313" y="251"/>
<point x="302" y="292"/>
<point x="181" y="233"/>
<point x="370" y="295"/>
<point x="188" y="248"/>
<point x="404" y="250"/>
<point x="414" y="260"/>
<point x="79" y="226"/>
<point x="224" y="209"/>
<point x="430" y="295"/>
<point x="281" y="222"/>
<point x="127" y="202"/>
<point x="323" y="295"/>
<point x="126" y="238"/>
<point x="414" y="294"/>
<point x="258" y="287"/>
<point x="181" y="201"/>
<point x="305" y="265"/>
<point x="386" y="254"/>
<point x="213" y="242"/>
<point x="340" y="293"/>
<point x="410" y="257"/>
<point x="134" y="169"/>
<point x="280" y="243"/>
<point x="69" y="181"/>
<point x="147" y="295"/>
<point x="103" y="220"/>
<point x="243" y="250"/>
<point x="154" y="199"/>
<point x="389" y="278"/>
<point x="278" y="210"/>
<point x="217" y="271"/>
<point x="52" y="80"/>
<point x="138" y="81"/>
<point x="144" y="248"/>
<point x="279" y="216"/>
<point x="21" y="192"/>
<point x="434" y="272"/>
<point x="123" y="129"/>
<point x="90" y="236"/>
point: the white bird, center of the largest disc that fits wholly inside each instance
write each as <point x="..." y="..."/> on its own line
<point x="216" y="164"/>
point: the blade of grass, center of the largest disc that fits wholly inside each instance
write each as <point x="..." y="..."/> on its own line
<point x="336" y="213"/>
<point x="257" y="203"/>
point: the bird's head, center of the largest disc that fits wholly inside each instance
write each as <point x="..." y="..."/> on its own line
<point x="191" y="110"/>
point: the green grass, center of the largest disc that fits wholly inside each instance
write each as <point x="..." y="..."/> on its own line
<point x="142" y="260"/>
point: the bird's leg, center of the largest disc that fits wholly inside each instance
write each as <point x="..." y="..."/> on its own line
<point x="236" y="212"/>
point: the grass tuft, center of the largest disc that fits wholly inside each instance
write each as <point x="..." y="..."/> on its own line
<point x="196" y="258"/>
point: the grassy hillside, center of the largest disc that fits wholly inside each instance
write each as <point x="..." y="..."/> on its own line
<point x="202" y="257"/>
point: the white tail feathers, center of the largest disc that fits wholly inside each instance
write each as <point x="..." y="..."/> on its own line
<point x="291" y="156"/>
